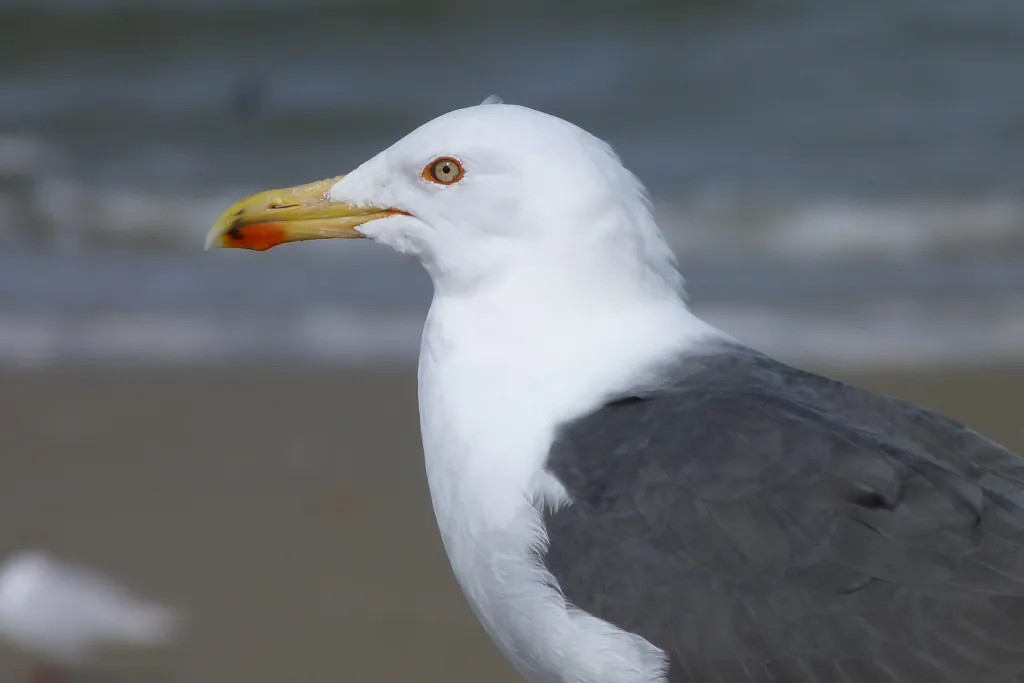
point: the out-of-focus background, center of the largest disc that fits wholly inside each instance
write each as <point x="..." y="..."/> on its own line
<point x="237" y="433"/>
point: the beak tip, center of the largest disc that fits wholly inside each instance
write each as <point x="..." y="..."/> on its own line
<point x="215" y="237"/>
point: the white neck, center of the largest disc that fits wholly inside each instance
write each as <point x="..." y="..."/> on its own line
<point x="496" y="378"/>
<point x="492" y="368"/>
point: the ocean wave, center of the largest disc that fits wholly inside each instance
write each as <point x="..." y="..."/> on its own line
<point x="43" y="207"/>
<point x="843" y="227"/>
<point x="889" y="335"/>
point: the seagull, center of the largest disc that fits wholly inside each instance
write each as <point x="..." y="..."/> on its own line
<point x="627" y="494"/>
<point x="64" y="614"/>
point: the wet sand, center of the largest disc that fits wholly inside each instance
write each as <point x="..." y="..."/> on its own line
<point x="284" y="509"/>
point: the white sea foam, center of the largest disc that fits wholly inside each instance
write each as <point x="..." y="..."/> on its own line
<point x="902" y="333"/>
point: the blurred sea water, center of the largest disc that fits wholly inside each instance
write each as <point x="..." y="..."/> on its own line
<point x="843" y="182"/>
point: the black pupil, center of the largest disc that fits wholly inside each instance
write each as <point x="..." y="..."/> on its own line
<point x="446" y="169"/>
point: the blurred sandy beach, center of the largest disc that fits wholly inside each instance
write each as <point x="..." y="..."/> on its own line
<point x="284" y="508"/>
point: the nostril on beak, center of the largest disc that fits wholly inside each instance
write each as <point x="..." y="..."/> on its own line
<point x="280" y="205"/>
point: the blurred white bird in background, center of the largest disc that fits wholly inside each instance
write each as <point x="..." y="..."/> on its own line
<point x="64" y="615"/>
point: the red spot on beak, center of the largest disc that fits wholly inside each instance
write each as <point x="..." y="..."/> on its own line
<point x="256" y="236"/>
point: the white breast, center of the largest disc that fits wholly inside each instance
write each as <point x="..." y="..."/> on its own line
<point x="489" y="406"/>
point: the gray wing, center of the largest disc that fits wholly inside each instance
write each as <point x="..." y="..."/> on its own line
<point x="759" y="523"/>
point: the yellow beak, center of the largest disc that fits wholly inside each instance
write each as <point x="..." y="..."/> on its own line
<point x="274" y="217"/>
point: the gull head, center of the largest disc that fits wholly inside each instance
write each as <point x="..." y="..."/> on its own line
<point x="482" y="196"/>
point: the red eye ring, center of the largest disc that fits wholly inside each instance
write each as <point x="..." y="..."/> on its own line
<point x="443" y="171"/>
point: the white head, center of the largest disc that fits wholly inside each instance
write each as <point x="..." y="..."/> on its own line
<point x="478" y="195"/>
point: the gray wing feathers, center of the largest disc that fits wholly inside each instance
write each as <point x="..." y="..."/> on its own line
<point x="764" y="524"/>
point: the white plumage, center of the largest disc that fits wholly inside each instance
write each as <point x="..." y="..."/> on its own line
<point x="64" y="614"/>
<point x="553" y="289"/>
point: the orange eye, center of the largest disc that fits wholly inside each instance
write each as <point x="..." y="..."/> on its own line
<point x="446" y="171"/>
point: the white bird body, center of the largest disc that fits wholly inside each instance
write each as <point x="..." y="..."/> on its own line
<point x="65" y="614"/>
